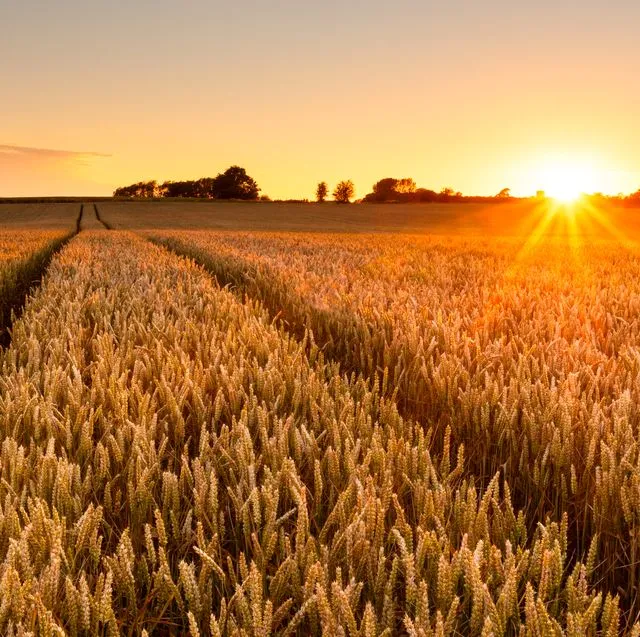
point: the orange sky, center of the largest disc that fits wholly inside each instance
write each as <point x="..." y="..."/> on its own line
<point x="476" y="96"/>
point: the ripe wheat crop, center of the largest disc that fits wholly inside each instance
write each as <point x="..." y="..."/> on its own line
<point x="172" y="461"/>
<point x="527" y="356"/>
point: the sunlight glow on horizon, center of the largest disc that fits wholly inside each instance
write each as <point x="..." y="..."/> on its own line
<point x="563" y="177"/>
<point x="566" y="178"/>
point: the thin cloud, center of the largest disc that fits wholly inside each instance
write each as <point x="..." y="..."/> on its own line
<point x="27" y="152"/>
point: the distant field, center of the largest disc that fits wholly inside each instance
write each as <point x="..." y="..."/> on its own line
<point x="511" y="219"/>
<point x="265" y="419"/>
<point x="515" y="219"/>
<point x="327" y="217"/>
<point x="49" y="216"/>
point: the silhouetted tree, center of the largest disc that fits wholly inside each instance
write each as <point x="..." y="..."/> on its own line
<point x="178" y="189"/>
<point x="234" y="183"/>
<point x="344" y="191"/>
<point x="405" y="186"/>
<point x="505" y="193"/>
<point x="141" y="190"/>
<point x="384" y="189"/>
<point x="203" y="188"/>
<point x="391" y="189"/>
<point x="424" y="195"/>
<point x="322" y="191"/>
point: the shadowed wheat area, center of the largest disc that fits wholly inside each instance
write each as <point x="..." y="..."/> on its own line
<point x="241" y="432"/>
<point x="29" y="236"/>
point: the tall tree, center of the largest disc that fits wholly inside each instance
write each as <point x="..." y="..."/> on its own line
<point x="344" y="191"/>
<point x="322" y="191"/>
<point x="385" y="189"/>
<point x="234" y="183"/>
<point x="391" y="189"/>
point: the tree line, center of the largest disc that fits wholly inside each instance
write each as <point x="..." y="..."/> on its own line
<point x="403" y="190"/>
<point x="632" y="200"/>
<point x="343" y="192"/>
<point x="234" y="183"/>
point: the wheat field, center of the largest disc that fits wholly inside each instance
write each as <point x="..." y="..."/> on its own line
<point x="215" y="432"/>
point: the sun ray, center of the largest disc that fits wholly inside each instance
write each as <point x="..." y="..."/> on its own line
<point x="545" y="210"/>
<point x="602" y="221"/>
<point x="554" y="225"/>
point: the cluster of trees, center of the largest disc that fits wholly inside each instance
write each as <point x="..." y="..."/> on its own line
<point x="402" y="190"/>
<point x="632" y="200"/>
<point x="405" y="190"/>
<point x="342" y="193"/>
<point x="234" y="183"/>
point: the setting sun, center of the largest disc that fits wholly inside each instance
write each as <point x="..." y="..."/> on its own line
<point x="566" y="180"/>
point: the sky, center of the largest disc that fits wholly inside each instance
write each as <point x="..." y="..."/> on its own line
<point x="475" y="95"/>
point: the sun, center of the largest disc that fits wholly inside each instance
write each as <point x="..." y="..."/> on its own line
<point x="566" y="180"/>
<point x="565" y="191"/>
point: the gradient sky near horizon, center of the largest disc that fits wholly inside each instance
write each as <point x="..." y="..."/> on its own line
<point x="473" y="95"/>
